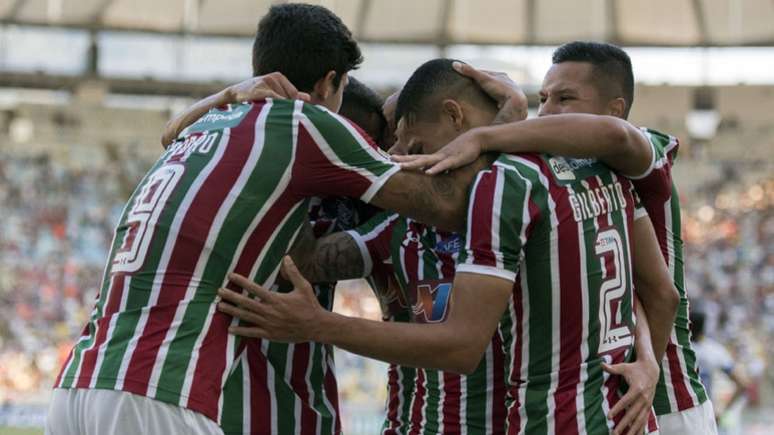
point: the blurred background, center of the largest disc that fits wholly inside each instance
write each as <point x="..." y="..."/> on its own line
<point x="87" y="85"/>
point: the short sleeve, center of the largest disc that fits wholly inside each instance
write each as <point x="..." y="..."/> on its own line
<point x="334" y="157"/>
<point x="656" y="182"/>
<point x="373" y="238"/>
<point x="499" y="216"/>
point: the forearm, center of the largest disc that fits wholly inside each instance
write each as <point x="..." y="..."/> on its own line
<point x="329" y="259"/>
<point x="177" y="124"/>
<point x="611" y="140"/>
<point x="439" y="200"/>
<point x="432" y="346"/>
<point x="660" y="314"/>
<point x="643" y="341"/>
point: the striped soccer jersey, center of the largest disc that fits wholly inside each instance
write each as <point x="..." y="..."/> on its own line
<point x="679" y="387"/>
<point x="559" y="230"/>
<point x="430" y="401"/>
<point x="313" y="373"/>
<point x="231" y="195"/>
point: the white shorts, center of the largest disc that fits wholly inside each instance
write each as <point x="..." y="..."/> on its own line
<point x="100" y="412"/>
<point x="699" y="420"/>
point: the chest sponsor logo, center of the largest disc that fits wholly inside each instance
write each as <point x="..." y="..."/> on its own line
<point x="429" y="300"/>
<point x="449" y="244"/>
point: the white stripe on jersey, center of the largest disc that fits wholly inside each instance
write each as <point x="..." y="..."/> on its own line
<point x="497" y="205"/>
<point x="246" y="396"/>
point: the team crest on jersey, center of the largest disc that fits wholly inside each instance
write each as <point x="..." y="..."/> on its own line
<point x="429" y="300"/>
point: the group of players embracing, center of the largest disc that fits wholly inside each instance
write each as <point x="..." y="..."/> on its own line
<point x="530" y="271"/>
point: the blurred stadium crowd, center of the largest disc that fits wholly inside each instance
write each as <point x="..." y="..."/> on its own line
<point x="57" y="223"/>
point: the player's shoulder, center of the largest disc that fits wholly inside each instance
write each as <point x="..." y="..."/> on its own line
<point x="663" y="142"/>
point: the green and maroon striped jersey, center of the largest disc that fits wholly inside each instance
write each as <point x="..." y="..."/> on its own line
<point x="430" y="401"/>
<point x="313" y="363"/>
<point x="559" y="230"/>
<point x="231" y="195"/>
<point x="679" y="387"/>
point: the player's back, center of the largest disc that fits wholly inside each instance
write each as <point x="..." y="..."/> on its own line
<point x="228" y="197"/>
<point x="559" y="228"/>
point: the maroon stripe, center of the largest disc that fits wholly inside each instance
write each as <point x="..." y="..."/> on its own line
<point x="480" y="225"/>
<point x="452" y="387"/>
<point x="89" y="357"/>
<point x="393" y="404"/>
<point x="314" y="174"/>
<point x="298" y="383"/>
<point x="260" y="391"/>
<point x="185" y="254"/>
<point x="571" y="313"/>
<point x="332" y="393"/>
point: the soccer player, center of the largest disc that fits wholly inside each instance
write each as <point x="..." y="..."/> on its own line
<point x="230" y="195"/>
<point x="593" y="78"/>
<point x="531" y="219"/>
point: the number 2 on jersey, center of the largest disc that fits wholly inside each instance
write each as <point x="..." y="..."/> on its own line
<point x="614" y="332"/>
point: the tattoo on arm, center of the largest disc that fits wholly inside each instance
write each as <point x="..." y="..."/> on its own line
<point x="328" y="259"/>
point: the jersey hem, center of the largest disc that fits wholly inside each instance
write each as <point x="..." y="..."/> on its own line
<point x="487" y="270"/>
<point x="198" y="405"/>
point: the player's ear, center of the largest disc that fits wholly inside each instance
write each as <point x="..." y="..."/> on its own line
<point x="617" y="107"/>
<point x="453" y="111"/>
<point x="325" y="87"/>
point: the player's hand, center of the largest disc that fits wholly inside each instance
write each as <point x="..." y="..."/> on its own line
<point x="642" y="377"/>
<point x="511" y="100"/>
<point x="273" y="85"/>
<point x="286" y="317"/>
<point x="463" y="150"/>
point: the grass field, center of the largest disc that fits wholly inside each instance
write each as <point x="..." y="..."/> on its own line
<point x="20" y="431"/>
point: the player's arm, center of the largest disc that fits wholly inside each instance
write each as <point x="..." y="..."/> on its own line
<point x="511" y="100"/>
<point x="455" y="345"/>
<point x="641" y="377"/>
<point x="330" y="258"/>
<point x="273" y="85"/>
<point x="653" y="285"/>
<point x="439" y="201"/>
<point x="614" y="141"/>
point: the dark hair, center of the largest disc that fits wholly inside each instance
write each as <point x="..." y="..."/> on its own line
<point x="364" y="106"/>
<point x="434" y="80"/>
<point x="304" y="42"/>
<point x="611" y="66"/>
<point x="697" y="318"/>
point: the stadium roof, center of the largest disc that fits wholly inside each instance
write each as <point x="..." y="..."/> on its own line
<point x="436" y="22"/>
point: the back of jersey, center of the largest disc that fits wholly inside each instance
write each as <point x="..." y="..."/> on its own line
<point x="230" y="196"/>
<point x="559" y="229"/>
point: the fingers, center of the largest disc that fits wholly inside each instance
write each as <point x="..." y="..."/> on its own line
<point x="291" y="273"/>
<point x="288" y="89"/>
<point x="250" y="331"/>
<point x="631" y="414"/>
<point x="262" y="293"/>
<point x="469" y="71"/>
<point x="446" y="164"/>
<point x="240" y="313"/>
<point x="641" y="423"/>
<point x="615" y="369"/>
<point x="417" y="161"/>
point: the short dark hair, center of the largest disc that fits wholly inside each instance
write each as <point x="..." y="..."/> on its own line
<point x="304" y="42"/>
<point x="697" y="319"/>
<point x="432" y="81"/>
<point x="364" y="106"/>
<point x="611" y="66"/>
